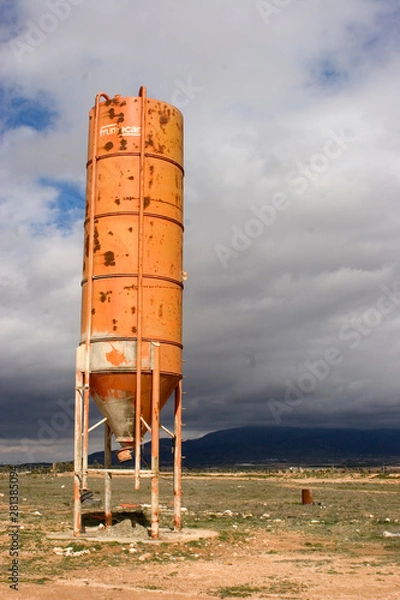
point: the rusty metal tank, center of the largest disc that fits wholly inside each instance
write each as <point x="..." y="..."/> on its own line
<point x="132" y="271"/>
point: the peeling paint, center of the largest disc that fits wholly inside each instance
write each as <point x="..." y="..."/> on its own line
<point x="115" y="357"/>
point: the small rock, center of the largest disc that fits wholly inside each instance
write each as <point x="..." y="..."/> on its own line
<point x="37" y="513"/>
<point x="144" y="556"/>
<point x="228" y="513"/>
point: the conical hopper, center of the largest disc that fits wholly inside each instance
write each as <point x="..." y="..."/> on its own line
<point x="115" y="397"/>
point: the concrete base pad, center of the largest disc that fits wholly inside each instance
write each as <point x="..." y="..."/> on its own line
<point x="94" y="534"/>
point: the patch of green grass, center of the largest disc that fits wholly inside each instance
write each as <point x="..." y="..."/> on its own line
<point x="42" y="580"/>
<point x="238" y="591"/>
<point x="285" y="586"/>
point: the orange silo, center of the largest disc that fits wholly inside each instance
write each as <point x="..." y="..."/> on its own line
<point x="129" y="359"/>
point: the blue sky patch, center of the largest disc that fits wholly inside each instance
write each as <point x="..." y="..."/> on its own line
<point x="19" y="111"/>
<point x="69" y="205"/>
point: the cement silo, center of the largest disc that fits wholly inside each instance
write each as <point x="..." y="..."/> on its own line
<point x="129" y="359"/>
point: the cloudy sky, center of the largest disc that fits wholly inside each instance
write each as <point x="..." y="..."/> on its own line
<point x="292" y="221"/>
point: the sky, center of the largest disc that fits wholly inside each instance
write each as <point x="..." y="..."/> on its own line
<point x="292" y="217"/>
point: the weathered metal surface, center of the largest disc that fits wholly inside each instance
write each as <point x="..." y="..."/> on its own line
<point x="132" y="271"/>
<point x="107" y="475"/>
<point x="178" y="456"/>
<point x="78" y="452"/>
<point x="116" y="355"/>
<point x="306" y="497"/>
<point x="130" y="355"/>
<point x="155" y="443"/>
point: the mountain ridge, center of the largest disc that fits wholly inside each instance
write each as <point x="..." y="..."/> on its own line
<point x="263" y="445"/>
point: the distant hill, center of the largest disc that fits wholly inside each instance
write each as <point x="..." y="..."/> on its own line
<point x="275" y="446"/>
<point x="269" y="446"/>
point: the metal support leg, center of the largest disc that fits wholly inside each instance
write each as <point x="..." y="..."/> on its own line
<point x="178" y="457"/>
<point x="85" y="434"/>
<point x="78" y="471"/>
<point x="155" y="442"/>
<point x="107" y="476"/>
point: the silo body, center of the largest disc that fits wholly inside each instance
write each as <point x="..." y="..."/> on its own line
<point x="132" y="270"/>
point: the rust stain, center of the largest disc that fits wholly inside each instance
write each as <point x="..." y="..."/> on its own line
<point x="96" y="241"/>
<point x="146" y="202"/>
<point x="108" y="146"/>
<point x="109" y="259"/>
<point x="164" y="116"/>
<point x="149" y="141"/>
<point x="115" y="357"/>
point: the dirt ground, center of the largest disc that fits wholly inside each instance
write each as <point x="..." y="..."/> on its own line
<point x="343" y="547"/>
